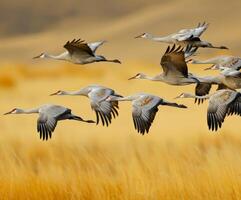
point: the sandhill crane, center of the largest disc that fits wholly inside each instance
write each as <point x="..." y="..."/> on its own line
<point x="219" y="62"/>
<point x="175" y="71"/>
<point x="226" y="80"/>
<point x="144" y="109"/>
<point x="97" y="94"/>
<point x="49" y="115"/>
<point x="221" y="103"/>
<point x="79" y="52"/>
<point x="181" y="35"/>
<point x="184" y="37"/>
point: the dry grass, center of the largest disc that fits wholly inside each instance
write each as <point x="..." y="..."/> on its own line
<point x="127" y="169"/>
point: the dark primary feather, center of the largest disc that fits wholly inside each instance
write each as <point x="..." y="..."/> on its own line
<point x="144" y="110"/>
<point x="173" y="62"/>
<point x="104" y="110"/>
<point x="222" y="103"/>
<point x="78" y="45"/>
<point x="202" y="89"/>
<point x="235" y="106"/>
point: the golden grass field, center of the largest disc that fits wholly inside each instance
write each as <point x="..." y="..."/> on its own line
<point x="178" y="159"/>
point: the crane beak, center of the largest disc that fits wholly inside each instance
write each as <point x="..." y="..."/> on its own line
<point x="39" y="56"/>
<point x="7" y="113"/>
<point x="53" y="94"/>
<point x="139" y="36"/>
<point x="209" y="68"/>
<point x="131" y="78"/>
<point x="179" y="96"/>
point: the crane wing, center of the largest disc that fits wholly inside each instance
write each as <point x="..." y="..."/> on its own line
<point x="45" y="126"/>
<point x="105" y="110"/>
<point x="187" y="34"/>
<point x="235" y="106"/>
<point x="218" y="108"/>
<point x="202" y="89"/>
<point x="78" y="46"/>
<point x="95" y="45"/>
<point x="173" y="62"/>
<point x="48" y="117"/>
<point x="144" y="111"/>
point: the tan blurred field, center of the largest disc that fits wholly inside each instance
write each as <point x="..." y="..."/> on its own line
<point x="178" y="159"/>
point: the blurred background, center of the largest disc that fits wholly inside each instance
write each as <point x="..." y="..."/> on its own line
<point x="28" y="28"/>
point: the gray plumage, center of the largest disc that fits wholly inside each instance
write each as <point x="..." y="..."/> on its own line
<point x="80" y="52"/>
<point x="222" y="103"/>
<point x="105" y="110"/>
<point x="49" y="115"/>
<point x="144" y="109"/>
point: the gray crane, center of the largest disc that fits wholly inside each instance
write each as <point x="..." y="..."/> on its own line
<point x="49" y="115"/>
<point x="219" y="62"/>
<point x="79" y="52"/>
<point x="175" y="71"/>
<point x="144" y="109"/>
<point x="97" y="94"/>
<point x="228" y="79"/>
<point x="221" y="103"/>
<point x="184" y="37"/>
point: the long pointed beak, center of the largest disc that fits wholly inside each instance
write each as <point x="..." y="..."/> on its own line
<point x="35" y="57"/>
<point x="177" y="97"/>
<point x="53" y="94"/>
<point x="133" y="77"/>
<point x="7" y="113"/>
<point x="209" y="68"/>
<point x="139" y="36"/>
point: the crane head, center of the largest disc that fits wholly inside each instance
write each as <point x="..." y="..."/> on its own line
<point x="137" y="76"/>
<point x="13" y="111"/>
<point x="59" y="92"/>
<point x="42" y="55"/>
<point x="213" y="67"/>
<point x="143" y="35"/>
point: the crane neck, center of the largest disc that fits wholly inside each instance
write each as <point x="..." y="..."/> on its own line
<point x="27" y="111"/>
<point x="189" y="95"/>
<point x="62" y="56"/>
<point x="153" y="78"/>
<point x="207" y="61"/>
<point x="81" y="92"/>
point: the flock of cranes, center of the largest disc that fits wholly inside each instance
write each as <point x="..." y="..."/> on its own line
<point x="104" y="101"/>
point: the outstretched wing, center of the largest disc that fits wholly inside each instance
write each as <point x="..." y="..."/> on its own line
<point x="218" y="108"/>
<point x="95" y="45"/>
<point x="190" y="51"/>
<point x="173" y="62"/>
<point x="45" y="126"/>
<point x="235" y="106"/>
<point x="48" y="117"/>
<point x="105" y="110"/>
<point x="187" y="34"/>
<point x="144" y="111"/>
<point x="78" y="46"/>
